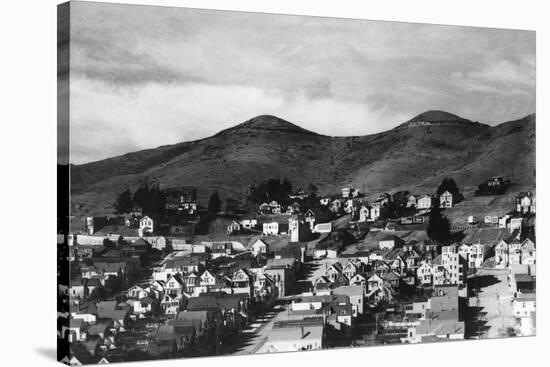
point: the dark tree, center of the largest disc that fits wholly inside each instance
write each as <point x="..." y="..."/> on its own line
<point x="448" y="184"/>
<point x="123" y="203"/>
<point x="312" y="189"/>
<point x="231" y="205"/>
<point x="141" y="196"/>
<point x="99" y="293"/>
<point x="286" y="186"/>
<point x="214" y="204"/>
<point x="439" y="228"/>
<point x="272" y="189"/>
<point x="150" y="199"/>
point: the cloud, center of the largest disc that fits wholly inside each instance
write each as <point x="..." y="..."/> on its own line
<point x="147" y="76"/>
<point x="110" y="120"/>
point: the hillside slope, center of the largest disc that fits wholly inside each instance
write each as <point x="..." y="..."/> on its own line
<point x="415" y="156"/>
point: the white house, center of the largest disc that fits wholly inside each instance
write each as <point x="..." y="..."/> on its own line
<point x="411" y="201"/>
<point x="375" y="211"/>
<point x="145" y="225"/>
<point x="323" y="228"/>
<point x="299" y="230"/>
<point x="501" y="255"/>
<point x="275" y="207"/>
<point x="424" y="202"/>
<point x="528" y="252"/>
<point x="424" y="274"/>
<point x="324" y="201"/>
<point x="364" y="213"/>
<point x="249" y="223"/>
<point x="336" y="206"/>
<point x="259" y="248"/>
<point x="271" y="228"/>
<point x="446" y="200"/>
<point x="525" y="202"/>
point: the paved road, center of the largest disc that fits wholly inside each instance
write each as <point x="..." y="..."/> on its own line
<point x="255" y="335"/>
<point x="495" y="299"/>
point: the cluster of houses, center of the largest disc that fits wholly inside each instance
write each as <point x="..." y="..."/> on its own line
<point x="200" y="293"/>
<point x="394" y="265"/>
<point x="185" y="302"/>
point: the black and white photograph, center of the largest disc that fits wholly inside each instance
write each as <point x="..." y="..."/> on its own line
<point x="233" y="183"/>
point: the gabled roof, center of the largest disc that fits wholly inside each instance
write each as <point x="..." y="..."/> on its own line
<point x="391" y="276"/>
<point x="140" y="242"/>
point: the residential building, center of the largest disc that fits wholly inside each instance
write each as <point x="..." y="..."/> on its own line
<point x="446" y="200"/>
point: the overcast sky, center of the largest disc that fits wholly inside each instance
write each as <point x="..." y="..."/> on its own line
<point x="142" y="76"/>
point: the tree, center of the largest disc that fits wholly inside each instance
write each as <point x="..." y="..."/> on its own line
<point x="312" y="189"/>
<point x="439" y="228"/>
<point x="123" y="203"/>
<point x="214" y="204"/>
<point x="140" y="196"/>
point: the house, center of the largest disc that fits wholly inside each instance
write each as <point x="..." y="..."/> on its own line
<point x="501" y="255"/>
<point x="525" y="203"/>
<point x="234" y="227"/>
<point x="524" y="310"/>
<point x="346" y="192"/>
<point x="109" y="310"/>
<point x="158" y="243"/>
<point x="275" y="207"/>
<point x="454" y="265"/>
<point x="375" y="209"/>
<point x="136" y="248"/>
<point x="424" y="274"/>
<point x="174" y="285"/>
<point x="324" y="201"/>
<point x="411" y="201"/>
<point x="335" y="273"/>
<point x="384" y="198"/>
<point x="374" y="283"/>
<point x="136" y="292"/>
<point x="170" y="304"/>
<point x="145" y="225"/>
<point x="351" y="269"/>
<point x="398" y="265"/>
<point x="514" y="252"/>
<point x="295" y="335"/>
<point x="517" y="224"/>
<point x="446" y="200"/>
<point x="249" y="223"/>
<point x="142" y="306"/>
<point x="181" y="264"/>
<point x="259" y="248"/>
<point x="300" y="194"/>
<point x="336" y="206"/>
<point x="264" y="208"/>
<point x="310" y="217"/>
<point x="323" y="228"/>
<point x="474" y="255"/>
<point x="528" y="252"/>
<point x="299" y="230"/>
<point x="411" y="258"/>
<point x="283" y="273"/>
<point x="271" y="228"/>
<point x="359" y="280"/>
<point x="207" y="279"/>
<point x="392" y="279"/>
<point x="389" y="242"/>
<point x="424" y="202"/>
<point x="441" y="320"/>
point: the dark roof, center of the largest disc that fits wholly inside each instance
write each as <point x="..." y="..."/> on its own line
<point x="141" y="242"/>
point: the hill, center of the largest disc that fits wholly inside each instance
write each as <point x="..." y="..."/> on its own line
<point x="415" y="156"/>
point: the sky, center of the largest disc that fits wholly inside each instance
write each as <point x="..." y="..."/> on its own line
<point x="142" y="76"/>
